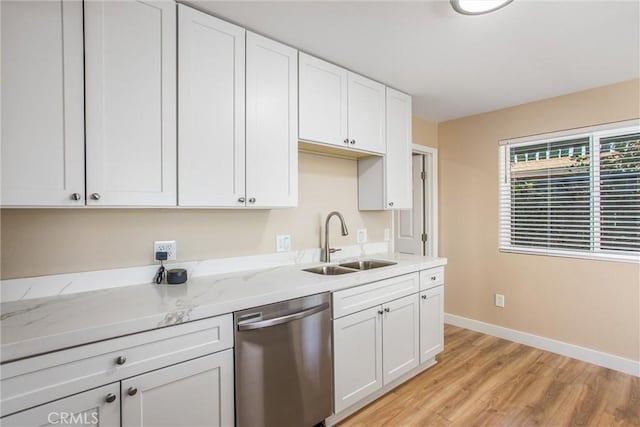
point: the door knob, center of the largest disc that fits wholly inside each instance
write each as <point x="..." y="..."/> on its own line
<point x="76" y="196"/>
<point x="110" y="397"/>
<point x="95" y="196"/>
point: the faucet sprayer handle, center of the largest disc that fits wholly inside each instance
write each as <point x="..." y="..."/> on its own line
<point x="333" y="250"/>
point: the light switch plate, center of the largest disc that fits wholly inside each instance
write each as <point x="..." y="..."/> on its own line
<point x="387" y="234"/>
<point x="361" y="235"/>
<point x="283" y="242"/>
<point x="500" y="300"/>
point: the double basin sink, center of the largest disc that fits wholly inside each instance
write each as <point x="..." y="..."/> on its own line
<point x="349" y="267"/>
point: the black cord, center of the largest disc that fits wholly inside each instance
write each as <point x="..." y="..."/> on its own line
<point x="160" y="274"/>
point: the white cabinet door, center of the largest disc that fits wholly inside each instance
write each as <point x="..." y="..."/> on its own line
<point x="322" y="102"/>
<point x="366" y="114"/>
<point x="194" y="393"/>
<point x="357" y="356"/>
<point x="97" y="407"/>
<point x="272" y="123"/>
<point x="130" y="81"/>
<point x="397" y="162"/>
<point x="431" y="323"/>
<point x="400" y="333"/>
<point x="211" y="109"/>
<point x="42" y="103"/>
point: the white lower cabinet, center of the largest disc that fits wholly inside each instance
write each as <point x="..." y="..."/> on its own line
<point x="97" y="407"/>
<point x="374" y="347"/>
<point x="431" y="323"/>
<point x="194" y="393"/>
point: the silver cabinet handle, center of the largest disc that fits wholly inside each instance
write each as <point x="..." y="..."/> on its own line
<point x="121" y="360"/>
<point x="252" y="200"/>
<point x="433" y="277"/>
<point x="423" y="297"/>
<point x="76" y="196"/>
<point x="346" y="141"/>
<point x="110" y="398"/>
<point x="241" y="200"/>
<point x="380" y="312"/>
<point x="390" y="203"/>
<point x="353" y="141"/>
<point x="387" y="309"/>
<point x="95" y="196"/>
<point x="283" y="319"/>
<point x="132" y="391"/>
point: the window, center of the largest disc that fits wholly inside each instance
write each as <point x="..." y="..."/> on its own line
<point x="572" y="193"/>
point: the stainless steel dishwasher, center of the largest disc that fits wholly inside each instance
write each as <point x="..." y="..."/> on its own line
<point x="283" y="363"/>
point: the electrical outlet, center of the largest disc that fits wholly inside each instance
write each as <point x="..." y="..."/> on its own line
<point x="500" y="300"/>
<point x="283" y="242"/>
<point x="168" y="246"/>
<point x="361" y="235"/>
<point x="387" y="234"/>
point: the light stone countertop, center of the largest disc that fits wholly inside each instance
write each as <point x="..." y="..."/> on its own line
<point x="41" y="325"/>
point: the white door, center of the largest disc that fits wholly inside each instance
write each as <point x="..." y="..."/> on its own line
<point x="272" y="123"/>
<point x="42" y="103"/>
<point x="397" y="162"/>
<point x="130" y="81"/>
<point x="366" y="114"/>
<point x="190" y="394"/>
<point x="400" y="347"/>
<point x="357" y="356"/>
<point x="410" y="223"/>
<point x="211" y="109"/>
<point x="322" y="102"/>
<point x="97" y="407"/>
<point x="431" y="323"/>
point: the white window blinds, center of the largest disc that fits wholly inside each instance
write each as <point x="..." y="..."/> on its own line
<point x="572" y="195"/>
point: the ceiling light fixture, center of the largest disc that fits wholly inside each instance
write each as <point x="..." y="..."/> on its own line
<point x="478" y="7"/>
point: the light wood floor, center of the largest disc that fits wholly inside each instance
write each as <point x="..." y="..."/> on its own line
<point x="482" y="380"/>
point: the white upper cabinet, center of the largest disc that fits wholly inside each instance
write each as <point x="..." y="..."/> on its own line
<point x="272" y="123"/>
<point x="211" y="108"/>
<point x="323" y="101"/>
<point x="341" y="108"/>
<point x="42" y="103"/>
<point x="385" y="183"/>
<point x="366" y="114"/>
<point x="130" y="81"/>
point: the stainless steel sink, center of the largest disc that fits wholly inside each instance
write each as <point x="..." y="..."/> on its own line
<point x="329" y="270"/>
<point x="367" y="264"/>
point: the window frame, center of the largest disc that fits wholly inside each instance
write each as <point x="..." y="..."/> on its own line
<point x="595" y="135"/>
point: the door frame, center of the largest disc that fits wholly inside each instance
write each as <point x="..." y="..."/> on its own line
<point x="430" y="199"/>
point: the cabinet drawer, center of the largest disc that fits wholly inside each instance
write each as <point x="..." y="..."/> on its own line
<point x="431" y="277"/>
<point x="36" y="380"/>
<point x="365" y="296"/>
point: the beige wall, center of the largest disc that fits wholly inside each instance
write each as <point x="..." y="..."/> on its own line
<point x="425" y="132"/>
<point x="595" y="304"/>
<point x="48" y="241"/>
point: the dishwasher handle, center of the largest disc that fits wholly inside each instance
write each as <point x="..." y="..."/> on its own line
<point x="283" y="319"/>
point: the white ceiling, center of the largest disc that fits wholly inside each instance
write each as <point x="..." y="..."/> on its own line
<point x="456" y="65"/>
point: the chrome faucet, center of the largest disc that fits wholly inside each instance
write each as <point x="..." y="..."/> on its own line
<point x="327" y="250"/>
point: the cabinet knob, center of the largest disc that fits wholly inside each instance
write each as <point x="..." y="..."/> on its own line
<point x="132" y="391"/>
<point x="110" y="397"/>
<point x="76" y="196"/>
<point x="433" y="277"/>
<point x="241" y="200"/>
<point x="121" y="360"/>
<point x="387" y="309"/>
<point x="390" y="203"/>
<point x="346" y="141"/>
<point x="353" y="141"/>
<point x="95" y="196"/>
<point x="380" y="312"/>
<point x="252" y="200"/>
<point x="423" y="297"/>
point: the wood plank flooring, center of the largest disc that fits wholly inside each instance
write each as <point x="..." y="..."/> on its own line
<point x="482" y="380"/>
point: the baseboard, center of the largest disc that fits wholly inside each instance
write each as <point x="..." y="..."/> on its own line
<point x="617" y="363"/>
